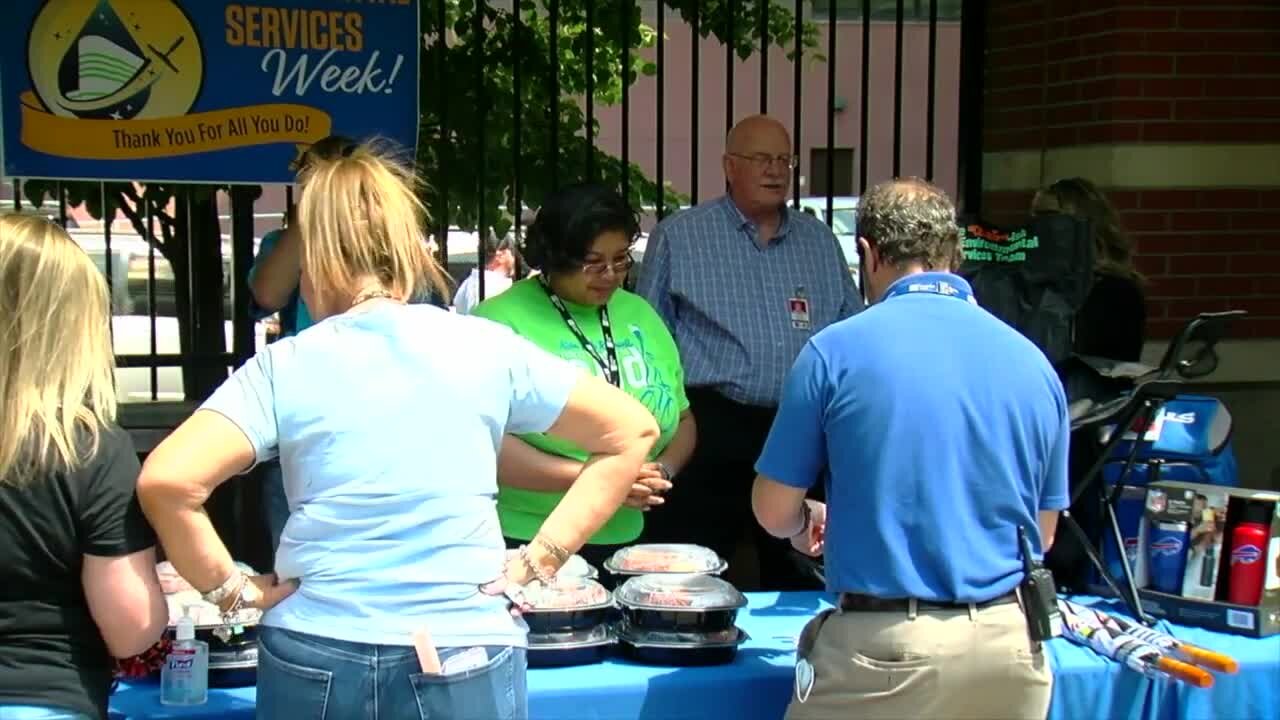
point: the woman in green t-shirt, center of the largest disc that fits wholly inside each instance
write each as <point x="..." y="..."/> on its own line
<point x="577" y="309"/>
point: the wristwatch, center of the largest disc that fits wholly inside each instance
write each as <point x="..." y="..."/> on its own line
<point x="806" y="513"/>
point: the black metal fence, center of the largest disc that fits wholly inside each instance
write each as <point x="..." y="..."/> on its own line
<point x="208" y="260"/>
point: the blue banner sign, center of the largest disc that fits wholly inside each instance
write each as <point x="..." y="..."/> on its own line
<point x="199" y="90"/>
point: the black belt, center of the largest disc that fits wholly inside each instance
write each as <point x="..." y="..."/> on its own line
<point x="853" y="602"/>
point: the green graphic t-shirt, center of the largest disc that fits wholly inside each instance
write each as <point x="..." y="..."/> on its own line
<point x="651" y="373"/>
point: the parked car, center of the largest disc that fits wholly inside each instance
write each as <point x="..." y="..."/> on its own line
<point x="131" y="335"/>
<point x="131" y="268"/>
<point x="843" y="222"/>
<point x="131" y="322"/>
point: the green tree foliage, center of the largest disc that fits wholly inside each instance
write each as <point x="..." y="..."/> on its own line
<point x="468" y="135"/>
<point x="474" y="120"/>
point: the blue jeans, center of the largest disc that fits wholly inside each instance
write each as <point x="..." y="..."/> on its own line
<point x="306" y="676"/>
<point x="275" y="506"/>
<point x="38" y="712"/>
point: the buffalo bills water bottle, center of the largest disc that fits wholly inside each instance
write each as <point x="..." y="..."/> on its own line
<point x="1130" y="506"/>
<point x="1248" y="542"/>
<point x="1167" y="556"/>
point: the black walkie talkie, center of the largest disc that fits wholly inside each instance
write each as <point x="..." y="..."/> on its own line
<point x="1039" y="595"/>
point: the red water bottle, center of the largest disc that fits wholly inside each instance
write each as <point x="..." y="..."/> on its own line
<point x="1248" y="550"/>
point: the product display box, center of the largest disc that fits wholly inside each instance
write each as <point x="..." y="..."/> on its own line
<point x="1212" y="557"/>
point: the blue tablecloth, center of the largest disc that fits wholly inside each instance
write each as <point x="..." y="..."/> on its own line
<point x="758" y="684"/>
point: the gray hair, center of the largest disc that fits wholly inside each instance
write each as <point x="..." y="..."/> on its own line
<point x="910" y="220"/>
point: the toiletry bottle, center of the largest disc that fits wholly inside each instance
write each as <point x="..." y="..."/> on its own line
<point x="184" y="679"/>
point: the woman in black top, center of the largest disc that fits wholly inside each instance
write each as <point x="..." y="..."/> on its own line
<point x="1112" y="322"/>
<point x="78" y="578"/>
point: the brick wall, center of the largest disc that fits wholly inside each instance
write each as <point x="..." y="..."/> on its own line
<point x="1206" y="251"/>
<point x="1064" y="74"/>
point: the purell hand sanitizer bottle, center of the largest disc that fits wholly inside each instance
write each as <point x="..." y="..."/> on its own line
<point x="184" y="679"/>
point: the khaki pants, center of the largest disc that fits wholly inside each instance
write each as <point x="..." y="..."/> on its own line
<point x="970" y="663"/>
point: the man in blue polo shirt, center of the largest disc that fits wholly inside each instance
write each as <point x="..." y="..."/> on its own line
<point x="938" y="431"/>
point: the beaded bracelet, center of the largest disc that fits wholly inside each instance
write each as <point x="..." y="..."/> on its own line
<point x="538" y="571"/>
<point x="227" y="628"/>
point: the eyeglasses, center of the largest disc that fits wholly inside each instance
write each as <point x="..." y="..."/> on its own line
<point x="790" y="162"/>
<point x="600" y="268"/>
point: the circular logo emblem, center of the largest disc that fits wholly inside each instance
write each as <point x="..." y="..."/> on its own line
<point x="117" y="59"/>
<point x="1166" y="547"/>
<point x="1246" y="555"/>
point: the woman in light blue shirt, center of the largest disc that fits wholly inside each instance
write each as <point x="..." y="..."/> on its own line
<point x="391" y="593"/>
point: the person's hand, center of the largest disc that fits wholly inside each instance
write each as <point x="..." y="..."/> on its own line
<point x="812" y="540"/>
<point x="267" y="591"/>
<point x="647" y="490"/>
<point x="511" y="585"/>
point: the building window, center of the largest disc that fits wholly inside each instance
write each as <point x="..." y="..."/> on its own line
<point x="887" y="10"/>
<point x="842" y="183"/>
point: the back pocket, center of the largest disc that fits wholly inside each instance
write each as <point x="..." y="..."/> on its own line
<point x="486" y="692"/>
<point x="903" y="675"/>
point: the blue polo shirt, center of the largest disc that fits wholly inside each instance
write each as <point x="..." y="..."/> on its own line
<point x="938" y="430"/>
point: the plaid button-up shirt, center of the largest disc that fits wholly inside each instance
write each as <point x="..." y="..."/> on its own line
<point x="728" y="301"/>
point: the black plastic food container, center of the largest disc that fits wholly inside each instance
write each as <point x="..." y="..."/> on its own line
<point x="572" y="604"/>
<point x="700" y="604"/>
<point x="650" y="649"/>
<point x="580" y="647"/>
<point x="543" y="622"/>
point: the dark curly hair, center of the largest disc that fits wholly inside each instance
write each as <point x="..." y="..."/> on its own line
<point x="1079" y="197"/>
<point x="910" y="220"/>
<point x="570" y="220"/>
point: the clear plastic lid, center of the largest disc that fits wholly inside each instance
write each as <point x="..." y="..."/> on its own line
<point x="598" y="635"/>
<point x="171" y="582"/>
<point x="576" y="567"/>
<point x="204" y="614"/>
<point x="679" y="592"/>
<point x="653" y="638"/>
<point x="658" y="558"/>
<point x="567" y="594"/>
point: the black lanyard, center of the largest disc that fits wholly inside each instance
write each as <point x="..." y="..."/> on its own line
<point x="609" y="365"/>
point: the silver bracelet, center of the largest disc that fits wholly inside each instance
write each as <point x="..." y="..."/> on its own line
<point x="538" y="571"/>
<point x="228" y="586"/>
<point x="227" y="628"/>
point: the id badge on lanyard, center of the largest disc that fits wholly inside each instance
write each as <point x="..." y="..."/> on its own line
<point x="798" y="309"/>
